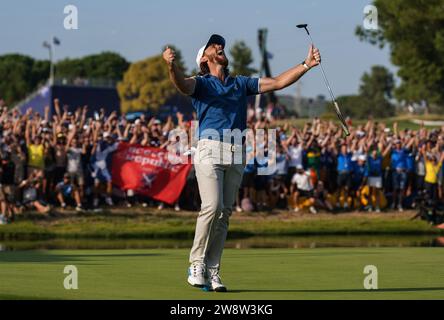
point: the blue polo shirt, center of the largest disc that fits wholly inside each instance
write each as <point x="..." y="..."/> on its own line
<point x="359" y="173"/>
<point x="410" y="162"/>
<point x="345" y="162"/>
<point x="375" y="166"/>
<point x="399" y="159"/>
<point x="220" y="105"/>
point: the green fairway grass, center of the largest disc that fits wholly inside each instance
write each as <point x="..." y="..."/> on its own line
<point x="336" y="273"/>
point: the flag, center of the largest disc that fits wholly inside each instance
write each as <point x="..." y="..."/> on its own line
<point x="46" y="45"/>
<point x="147" y="171"/>
<point x="56" y="41"/>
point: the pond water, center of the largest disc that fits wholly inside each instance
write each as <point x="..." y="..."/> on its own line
<point x="254" y="242"/>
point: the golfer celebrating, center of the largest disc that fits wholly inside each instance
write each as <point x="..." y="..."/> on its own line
<point x="220" y="101"/>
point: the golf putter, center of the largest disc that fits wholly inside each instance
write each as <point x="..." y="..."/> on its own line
<point x="327" y="84"/>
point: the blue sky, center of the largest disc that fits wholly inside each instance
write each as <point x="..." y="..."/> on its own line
<point x="140" y="28"/>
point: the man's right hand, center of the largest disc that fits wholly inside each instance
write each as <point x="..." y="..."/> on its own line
<point x="169" y="56"/>
<point x="186" y="86"/>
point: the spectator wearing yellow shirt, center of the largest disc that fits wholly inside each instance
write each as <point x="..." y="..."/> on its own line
<point x="36" y="162"/>
<point x="432" y="167"/>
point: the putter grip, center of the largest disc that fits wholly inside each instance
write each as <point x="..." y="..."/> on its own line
<point x="341" y="118"/>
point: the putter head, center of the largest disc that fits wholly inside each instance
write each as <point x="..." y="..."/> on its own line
<point x="303" y="26"/>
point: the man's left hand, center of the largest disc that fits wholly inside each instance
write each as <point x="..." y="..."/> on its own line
<point x="313" y="57"/>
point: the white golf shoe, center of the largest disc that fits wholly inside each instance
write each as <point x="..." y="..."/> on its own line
<point x="196" y="275"/>
<point x="215" y="282"/>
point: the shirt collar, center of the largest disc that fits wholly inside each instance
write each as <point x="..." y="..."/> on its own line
<point x="210" y="76"/>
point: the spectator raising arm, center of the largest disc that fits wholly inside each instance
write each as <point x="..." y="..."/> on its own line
<point x="57" y="110"/>
<point x="387" y="149"/>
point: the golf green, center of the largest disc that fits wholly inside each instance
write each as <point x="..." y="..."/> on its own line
<point x="334" y="273"/>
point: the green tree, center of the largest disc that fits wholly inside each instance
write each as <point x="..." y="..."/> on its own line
<point x="374" y="93"/>
<point x="242" y="58"/>
<point x="21" y="75"/>
<point x="379" y="83"/>
<point x="353" y="106"/>
<point x="146" y="84"/>
<point x="376" y="89"/>
<point x="414" y="30"/>
<point x="108" y="65"/>
<point x="105" y="65"/>
<point x="70" y="68"/>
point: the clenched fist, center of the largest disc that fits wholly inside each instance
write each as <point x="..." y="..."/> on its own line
<point x="313" y="57"/>
<point x="169" y="55"/>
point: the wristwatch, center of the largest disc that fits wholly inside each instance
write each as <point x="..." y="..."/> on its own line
<point x="305" y="65"/>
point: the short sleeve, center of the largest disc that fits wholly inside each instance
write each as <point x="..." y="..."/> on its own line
<point x="252" y="85"/>
<point x="197" y="87"/>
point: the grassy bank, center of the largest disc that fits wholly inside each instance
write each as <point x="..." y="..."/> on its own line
<point x="152" y="224"/>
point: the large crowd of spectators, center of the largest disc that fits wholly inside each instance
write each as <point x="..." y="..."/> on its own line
<point x="63" y="160"/>
<point x="377" y="167"/>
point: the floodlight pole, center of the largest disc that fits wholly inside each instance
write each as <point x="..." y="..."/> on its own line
<point x="51" y="68"/>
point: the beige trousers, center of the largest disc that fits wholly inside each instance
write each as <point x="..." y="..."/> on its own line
<point x="219" y="175"/>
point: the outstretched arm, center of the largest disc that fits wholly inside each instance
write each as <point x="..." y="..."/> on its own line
<point x="184" y="85"/>
<point x="291" y="76"/>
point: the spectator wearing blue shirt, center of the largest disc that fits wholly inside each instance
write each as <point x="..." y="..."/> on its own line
<point x="375" y="178"/>
<point x="410" y="170"/>
<point x="359" y="174"/>
<point x="68" y="191"/>
<point x="344" y="168"/>
<point x="101" y="151"/>
<point x="261" y="182"/>
<point x="220" y="101"/>
<point x="328" y="169"/>
<point x="399" y="171"/>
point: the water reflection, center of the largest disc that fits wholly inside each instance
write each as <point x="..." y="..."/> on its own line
<point x="254" y="242"/>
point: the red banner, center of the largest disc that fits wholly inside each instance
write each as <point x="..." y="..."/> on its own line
<point x="148" y="171"/>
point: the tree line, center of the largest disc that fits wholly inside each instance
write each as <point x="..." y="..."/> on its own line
<point x="21" y="74"/>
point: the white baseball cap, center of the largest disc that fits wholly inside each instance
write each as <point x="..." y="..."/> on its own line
<point x="215" y="38"/>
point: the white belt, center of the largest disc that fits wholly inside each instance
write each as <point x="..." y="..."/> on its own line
<point x="220" y="145"/>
